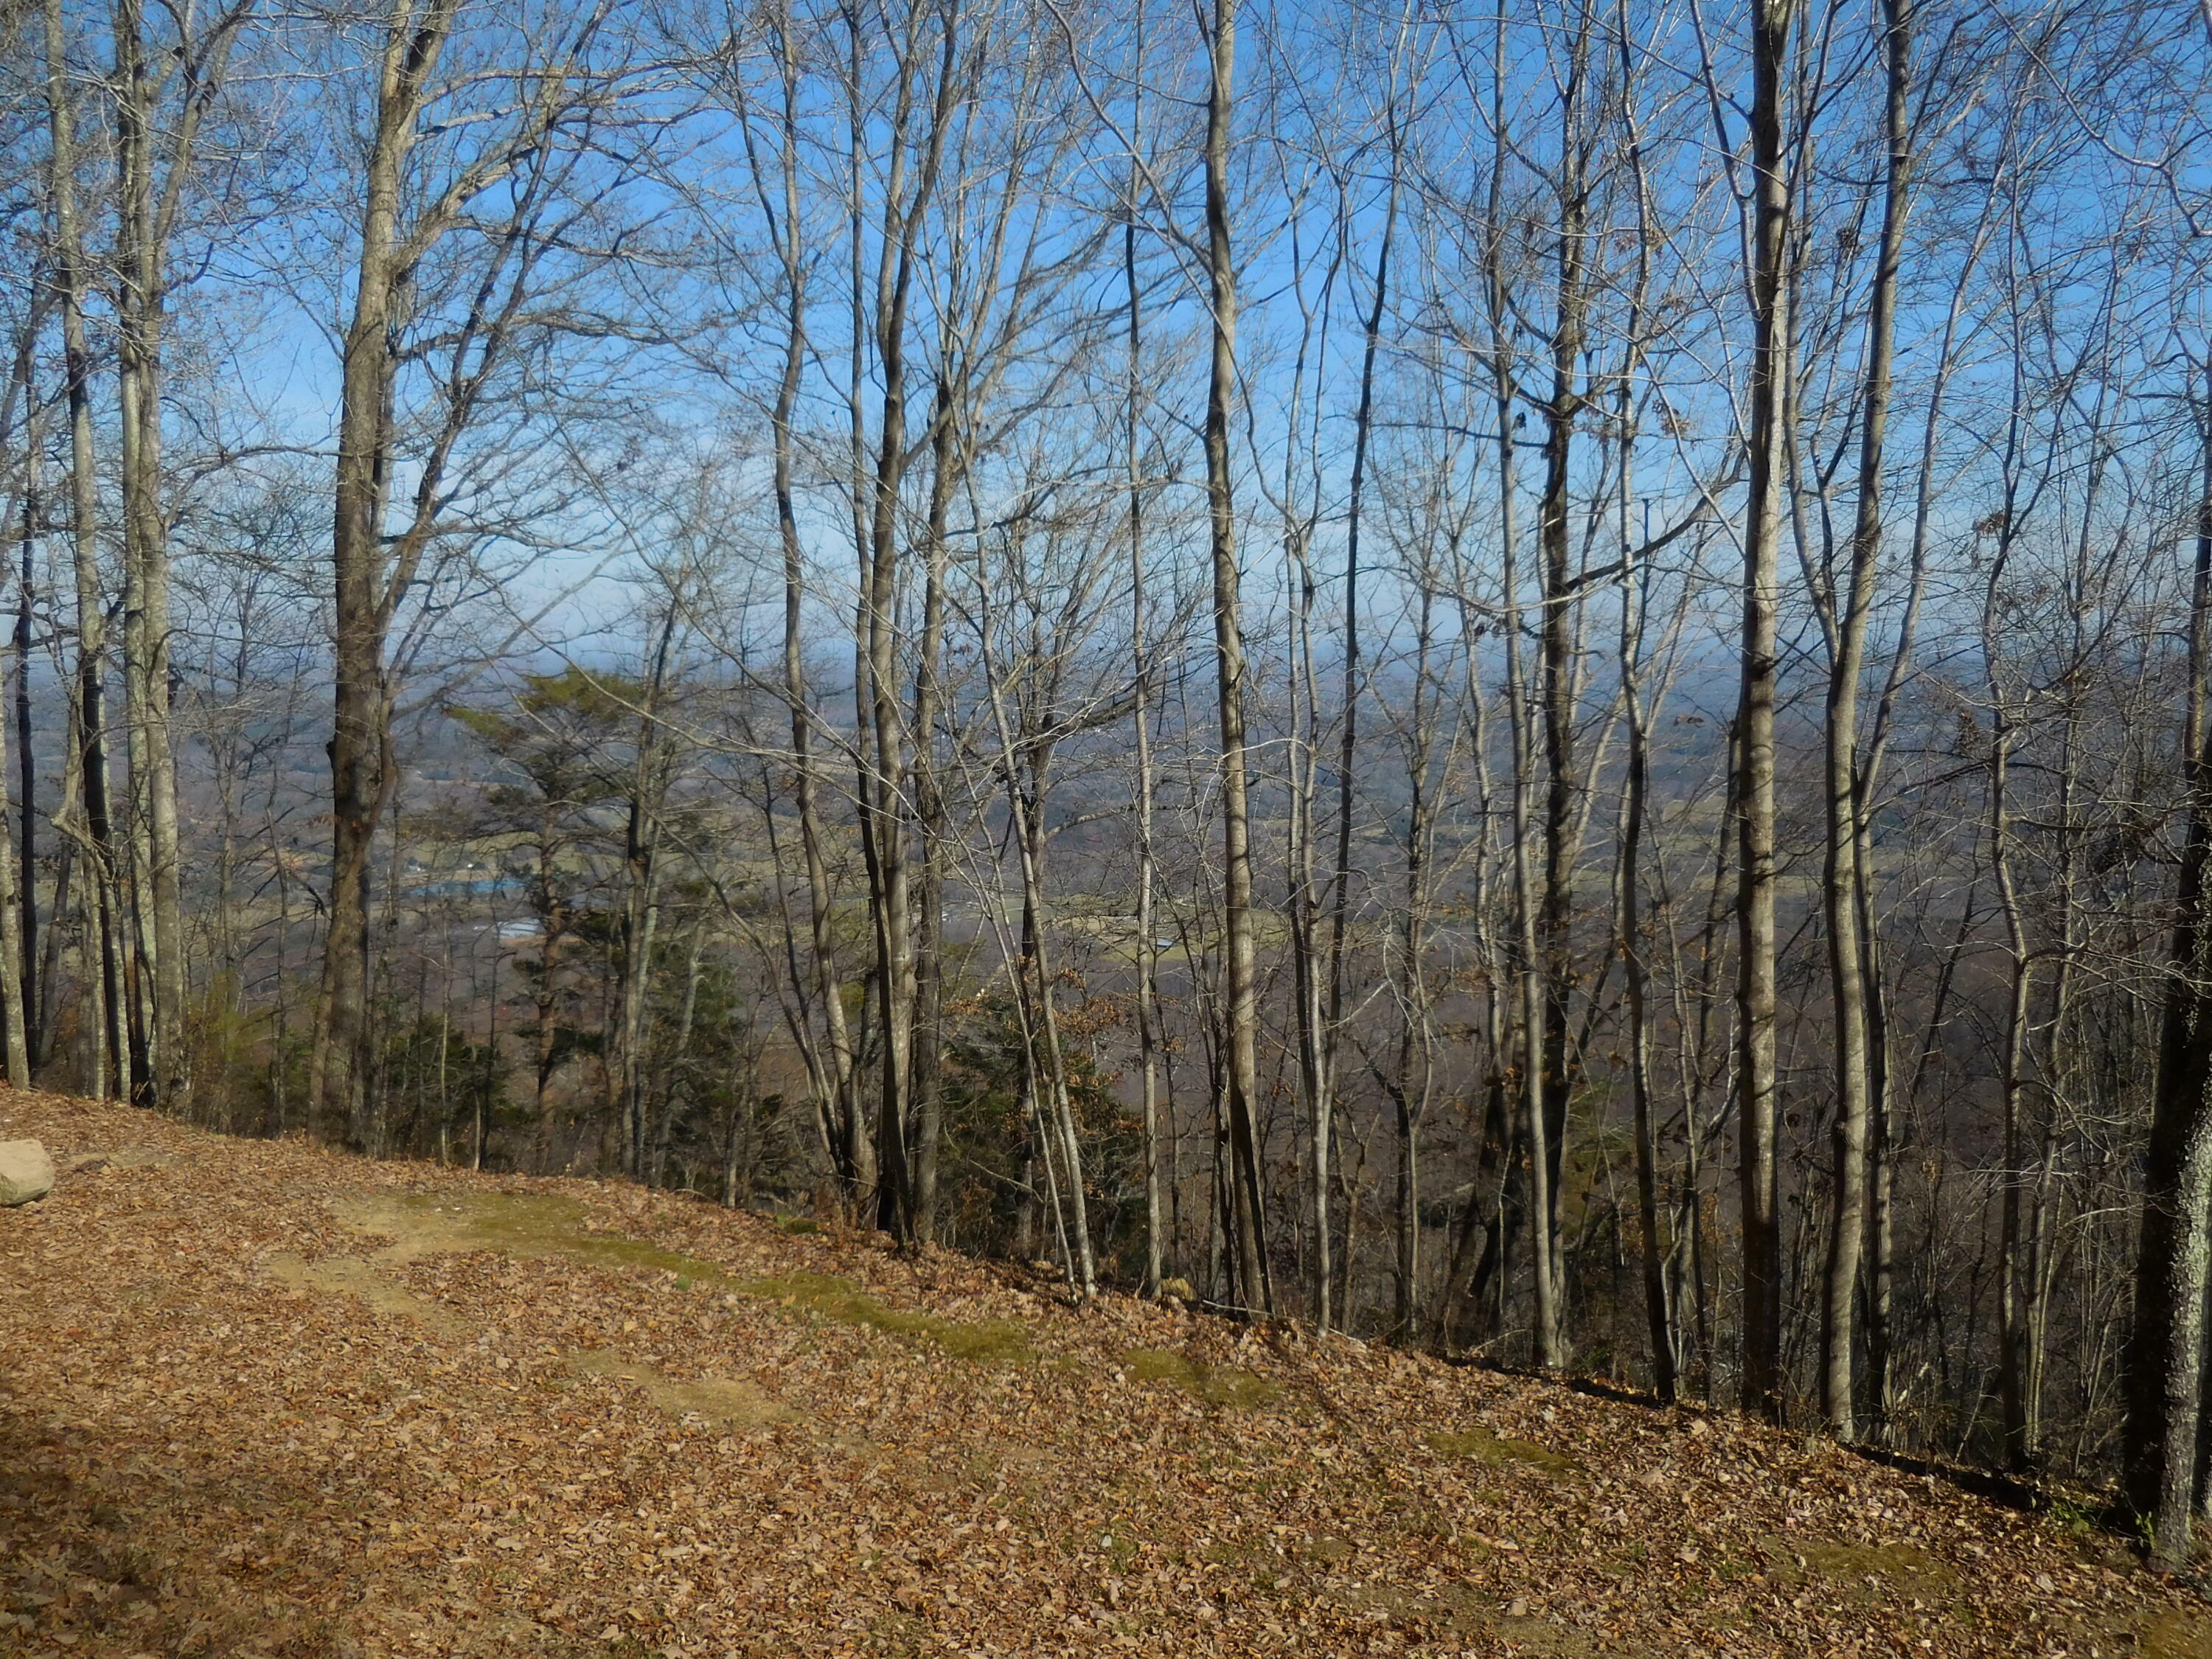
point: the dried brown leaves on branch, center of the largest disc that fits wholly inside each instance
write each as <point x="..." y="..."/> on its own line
<point x="259" y="1399"/>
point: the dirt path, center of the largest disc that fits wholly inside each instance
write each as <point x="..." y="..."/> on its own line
<point x="257" y="1399"/>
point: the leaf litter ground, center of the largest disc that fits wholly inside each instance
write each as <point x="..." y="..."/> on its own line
<point x="261" y="1399"/>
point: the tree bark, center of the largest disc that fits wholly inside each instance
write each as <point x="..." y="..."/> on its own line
<point x="1636" y="787"/>
<point x="1348" y="754"/>
<point x="34" y="981"/>
<point x="19" y="926"/>
<point x="779" y="205"/>
<point x="640" y="921"/>
<point x="1556" y="631"/>
<point x="1416" y="1029"/>
<point x="2162" y="1371"/>
<point x="1843" y="880"/>
<point x="1148" y="956"/>
<point x="14" y="1029"/>
<point x="1253" y="1292"/>
<point x="1757" y="1082"/>
<point x="1550" y="1335"/>
<point x="884" y="802"/>
<point x="403" y="218"/>
<point x="337" y="1075"/>
<point x="103" y="988"/>
<point x="932" y="832"/>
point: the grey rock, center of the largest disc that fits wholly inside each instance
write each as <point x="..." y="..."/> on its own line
<point x="26" y="1172"/>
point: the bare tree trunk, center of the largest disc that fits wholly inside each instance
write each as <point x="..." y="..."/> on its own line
<point x="2012" y="1050"/>
<point x="781" y="210"/>
<point x="1478" y="1280"/>
<point x="1658" y="1312"/>
<point x="2162" y="1369"/>
<point x="640" y="919"/>
<point x="12" y="1028"/>
<point x="1348" y="738"/>
<point x="1046" y="1031"/>
<point x="859" y="1151"/>
<point x="1024" y="764"/>
<point x="1148" y="956"/>
<point x="1299" y="506"/>
<point x="687" y="1012"/>
<point x="18" y="923"/>
<point x="884" y="787"/>
<point x="1757" y="1080"/>
<point x="102" y="972"/>
<point x="1550" y="1335"/>
<point x="1842" y="881"/>
<point x="146" y="211"/>
<point x="405" y="214"/>
<point x="144" y="570"/>
<point x="1300" y="511"/>
<point x="32" y="981"/>
<point x="1562" y="409"/>
<point x="948" y="464"/>
<point x="1240" y="991"/>
<point x="1878" y="1386"/>
<point x="1416" y="1029"/>
<point x="337" y="1074"/>
<point x="145" y="574"/>
<point x="92" y="963"/>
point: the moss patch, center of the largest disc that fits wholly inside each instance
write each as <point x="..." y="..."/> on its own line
<point x="989" y="1341"/>
<point x="349" y="1275"/>
<point x="725" y="1402"/>
<point x="1218" y="1385"/>
<point x="2177" y="1636"/>
<point x="1866" y="1573"/>
<point x="527" y="1225"/>
<point x="1547" y="1636"/>
<point x="548" y="1226"/>
<point x="1497" y="1451"/>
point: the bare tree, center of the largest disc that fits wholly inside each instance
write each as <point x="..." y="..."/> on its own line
<point x="84" y="813"/>
<point x="1843" y="880"/>
<point x="2173" y="1253"/>
<point x="1253" y="1287"/>
<point x="155" y="166"/>
<point x="409" y="206"/>
<point x="1768" y="442"/>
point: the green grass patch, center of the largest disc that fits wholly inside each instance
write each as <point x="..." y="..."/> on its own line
<point x="1218" y="1385"/>
<point x="551" y="1227"/>
<point x="1863" y="1574"/>
<point x="1497" y="1451"/>
<point x="527" y="1224"/>
<point x="2177" y="1634"/>
<point x="989" y="1341"/>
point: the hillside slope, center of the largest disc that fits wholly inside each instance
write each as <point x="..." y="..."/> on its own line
<point x="259" y="1399"/>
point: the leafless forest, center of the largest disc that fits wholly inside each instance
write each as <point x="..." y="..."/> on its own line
<point x="1528" y="680"/>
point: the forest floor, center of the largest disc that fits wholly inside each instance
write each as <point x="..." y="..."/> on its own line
<point x="259" y="1399"/>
